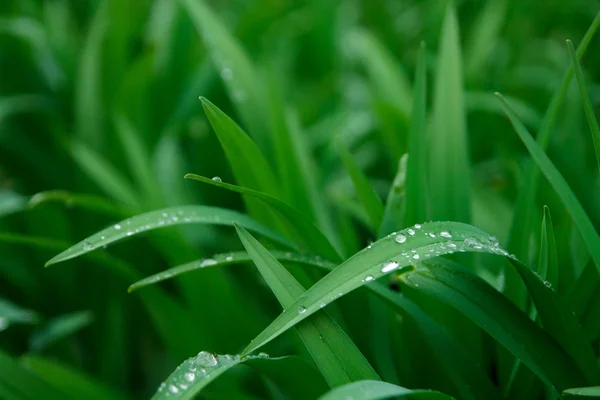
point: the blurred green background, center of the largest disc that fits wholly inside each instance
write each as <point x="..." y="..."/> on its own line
<point x="99" y="105"/>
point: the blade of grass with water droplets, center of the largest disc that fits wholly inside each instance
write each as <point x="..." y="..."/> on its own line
<point x="366" y="194"/>
<point x="585" y="99"/>
<point x="164" y="218"/>
<point x="235" y="68"/>
<point x="394" y="253"/>
<point x="590" y="391"/>
<point x="305" y="231"/>
<point x="581" y="220"/>
<point x="495" y="314"/>
<point x="85" y="201"/>
<point x="70" y="380"/>
<point x="194" y="374"/>
<point x="373" y="390"/>
<point x="449" y="167"/>
<point x="99" y="170"/>
<point x="416" y="166"/>
<point x="217" y="260"/>
<point x="338" y="359"/>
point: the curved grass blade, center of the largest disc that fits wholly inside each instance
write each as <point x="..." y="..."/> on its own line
<point x="69" y="380"/>
<point x="366" y="194"/>
<point x="11" y="202"/>
<point x="373" y="390"/>
<point x="585" y="99"/>
<point x="11" y="313"/>
<point x="416" y="166"/>
<point x="164" y="218"/>
<point x="396" y="252"/>
<point x="304" y="230"/>
<point x="225" y="259"/>
<point x="495" y="314"/>
<point x="98" y="169"/>
<point x="591" y="391"/>
<point x="59" y="328"/>
<point x="338" y="359"/>
<point x="16" y="382"/>
<point x="194" y="374"/>
<point x="581" y="220"/>
<point x="85" y="201"/>
<point x="548" y="262"/>
<point x="449" y="177"/>
<point x="468" y="377"/>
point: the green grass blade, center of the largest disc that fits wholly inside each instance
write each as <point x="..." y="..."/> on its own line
<point x="585" y="99"/>
<point x="581" y="220"/>
<point x="501" y="319"/>
<point x="416" y="166"/>
<point x="85" y="201"/>
<point x="304" y="230"/>
<point x="11" y="313"/>
<point x="591" y="391"/>
<point x="99" y="170"/>
<point x="235" y="68"/>
<point x="137" y="157"/>
<point x="548" y="260"/>
<point x="218" y="260"/>
<point x="366" y="194"/>
<point x="394" y="253"/>
<point x="393" y="213"/>
<point x="449" y="167"/>
<point x="373" y="390"/>
<point x="69" y="380"/>
<point x="59" y="328"/>
<point x="11" y="202"/>
<point x="23" y="384"/>
<point x="194" y="374"/>
<point x="338" y="359"/>
<point x="164" y="218"/>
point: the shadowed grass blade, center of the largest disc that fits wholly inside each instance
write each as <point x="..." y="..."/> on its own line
<point x="374" y="390"/>
<point x="449" y="166"/>
<point x="164" y="218"/>
<point x="581" y="220"/>
<point x="59" y="328"/>
<point x="304" y="230"/>
<point x="85" y="201"/>
<point x="366" y="194"/>
<point x="194" y="374"/>
<point x="548" y="260"/>
<point x="338" y="359"/>
<point x="585" y="99"/>
<point x="591" y="391"/>
<point x="394" y="253"/>
<point x="16" y="382"/>
<point x="501" y="319"/>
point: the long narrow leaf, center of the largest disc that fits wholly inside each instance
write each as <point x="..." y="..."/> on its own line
<point x="373" y="390"/>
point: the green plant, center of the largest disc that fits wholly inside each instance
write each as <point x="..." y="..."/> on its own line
<point x="376" y="301"/>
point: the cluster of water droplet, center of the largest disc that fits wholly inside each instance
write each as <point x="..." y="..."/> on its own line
<point x="198" y="368"/>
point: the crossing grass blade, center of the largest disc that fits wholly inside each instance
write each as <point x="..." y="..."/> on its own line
<point x="59" y="328"/>
<point x="501" y="319"/>
<point x="396" y="252"/>
<point x="85" y="201"/>
<point x="585" y="99"/>
<point x="366" y="194"/>
<point x="304" y="230"/>
<point x="163" y="218"/>
<point x="548" y="260"/>
<point x="338" y="359"/>
<point x="581" y="220"/>
<point x="393" y="214"/>
<point x="449" y="166"/>
<point x="194" y="374"/>
<point x="373" y="390"/>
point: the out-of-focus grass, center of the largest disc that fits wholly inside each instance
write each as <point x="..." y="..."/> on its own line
<point x="320" y="142"/>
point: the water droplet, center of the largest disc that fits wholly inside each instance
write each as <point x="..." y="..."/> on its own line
<point x="189" y="376"/>
<point x="368" y="278"/>
<point x="207" y="262"/>
<point x="117" y="226"/>
<point x="175" y="218"/>
<point x="411" y="232"/>
<point x="226" y="74"/>
<point x="322" y="305"/>
<point x="400" y="238"/>
<point x="262" y="355"/>
<point x="473" y="243"/>
<point x="173" y="389"/>
<point x="183" y="386"/>
<point x="389" y="266"/>
<point x="417" y="226"/>
<point x="217" y="179"/>
<point x="445" y="234"/>
<point x="431" y="234"/>
<point x="301" y="310"/>
<point x="102" y="237"/>
<point x="206" y="359"/>
<point x="452" y="245"/>
<point x="229" y="258"/>
<point x="548" y="284"/>
<point x="415" y="256"/>
<point x="165" y="215"/>
<point x="87" y="246"/>
<point x="129" y="233"/>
